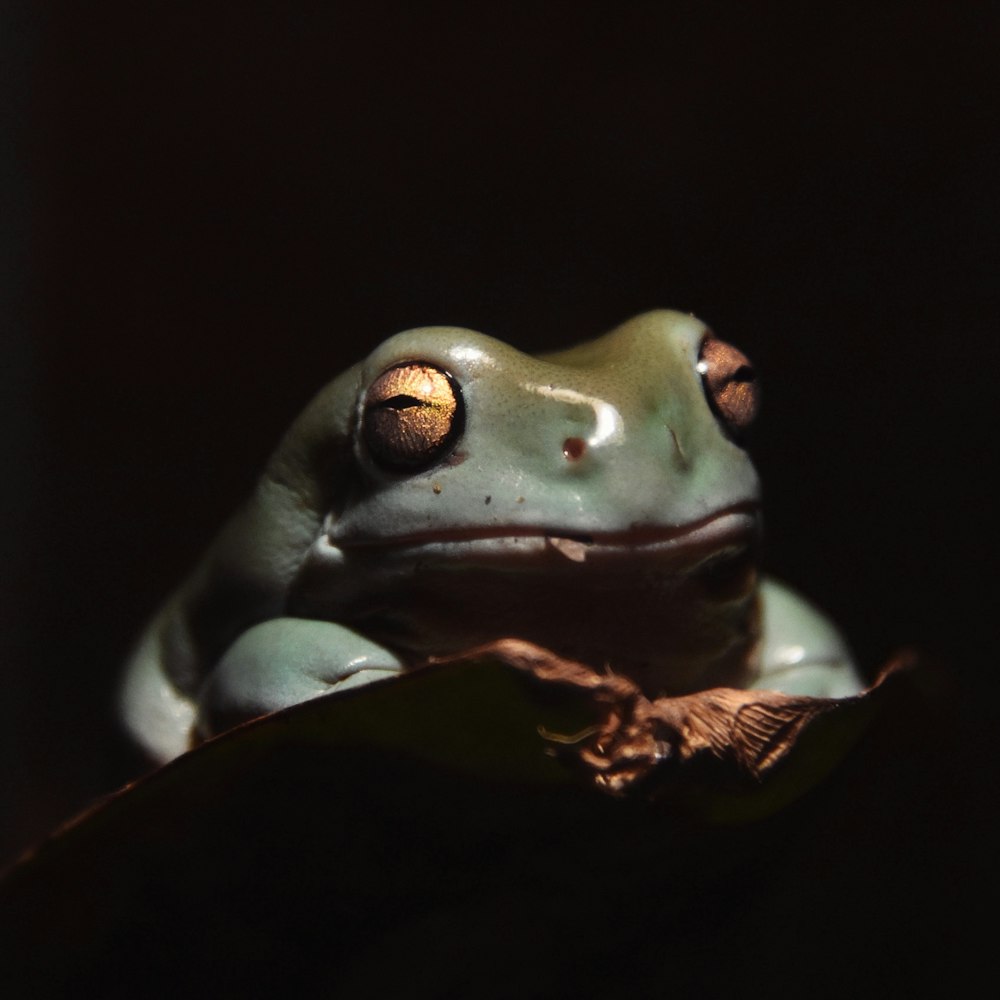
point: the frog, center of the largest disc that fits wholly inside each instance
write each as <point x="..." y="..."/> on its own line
<point x="450" y="490"/>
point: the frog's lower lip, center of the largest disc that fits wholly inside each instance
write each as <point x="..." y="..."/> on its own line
<point x="731" y="528"/>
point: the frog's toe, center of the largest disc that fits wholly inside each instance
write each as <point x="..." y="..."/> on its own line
<point x="816" y="680"/>
<point x="285" y="661"/>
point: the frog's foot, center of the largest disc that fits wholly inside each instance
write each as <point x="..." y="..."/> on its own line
<point x="156" y="715"/>
<point x="283" y="662"/>
<point x="802" y="653"/>
<point x="816" y="680"/>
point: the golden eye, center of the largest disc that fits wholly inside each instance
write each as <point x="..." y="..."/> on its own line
<point x="413" y="414"/>
<point x="730" y="383"/>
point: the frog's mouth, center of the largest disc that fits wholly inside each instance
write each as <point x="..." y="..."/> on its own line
<point x="727" y="531"/>
<point x="601" y="597"/>
<point x="734" y="529"/>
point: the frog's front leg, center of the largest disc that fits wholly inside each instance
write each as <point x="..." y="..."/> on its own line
<point x="283" y="662"/>
<point x="801" y="652"/>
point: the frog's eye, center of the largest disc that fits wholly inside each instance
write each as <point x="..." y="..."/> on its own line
<point x="413" y="413"/>
<point x="730" y="383"/>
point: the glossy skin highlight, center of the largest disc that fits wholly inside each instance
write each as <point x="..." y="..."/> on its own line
<point x="595" y="501"/>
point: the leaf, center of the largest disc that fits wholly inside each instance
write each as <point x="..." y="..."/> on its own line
<point x="408" y="818"/>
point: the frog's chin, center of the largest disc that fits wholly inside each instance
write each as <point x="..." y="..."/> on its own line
<point x="722" y="533"/>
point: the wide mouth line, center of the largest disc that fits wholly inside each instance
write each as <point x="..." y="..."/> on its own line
<point x="632" y="537"/>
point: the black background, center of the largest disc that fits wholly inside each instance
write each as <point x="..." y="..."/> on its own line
<point x="216" y="207"/>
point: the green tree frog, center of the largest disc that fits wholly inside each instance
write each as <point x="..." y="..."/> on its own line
<point x="450" y="490"/>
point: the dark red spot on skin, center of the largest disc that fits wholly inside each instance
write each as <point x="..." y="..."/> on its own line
<point x="573" y="448"/>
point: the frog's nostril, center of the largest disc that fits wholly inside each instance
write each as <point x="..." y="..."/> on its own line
<point x="574" y="448"/>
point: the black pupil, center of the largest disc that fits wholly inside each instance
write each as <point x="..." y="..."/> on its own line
<point x="402" y="402"/>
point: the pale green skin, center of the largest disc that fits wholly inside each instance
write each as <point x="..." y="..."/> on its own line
<point x="288" y="604"/>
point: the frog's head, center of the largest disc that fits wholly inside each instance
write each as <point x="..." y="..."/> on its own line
<point x="456" y="434"/>
<point x="471" y="472"/>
